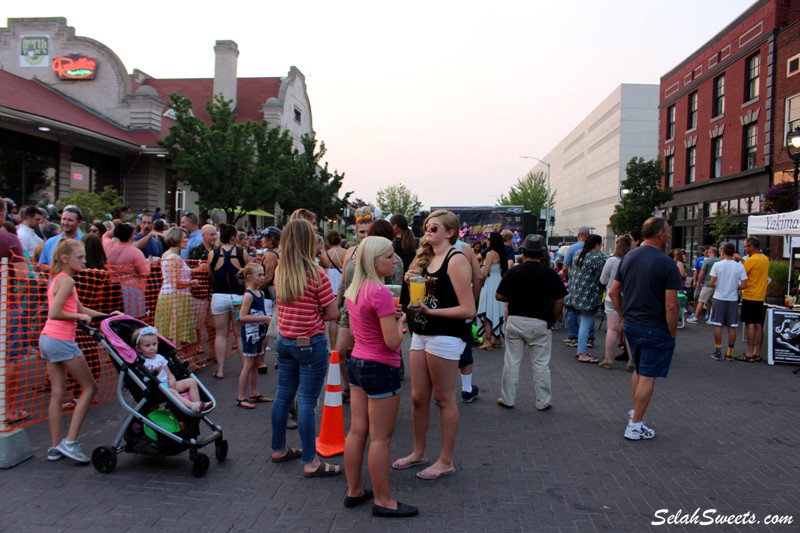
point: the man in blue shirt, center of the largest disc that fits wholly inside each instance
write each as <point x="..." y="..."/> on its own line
<point x="71" y="219"/>
<point x="147" y="240"/>
<point x="189" y="223"/>
<point x="645" y="294"/>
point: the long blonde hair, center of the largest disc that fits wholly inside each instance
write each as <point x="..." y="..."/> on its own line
<point x="425" y="252"/>
<point x="65" y="246"/>
<point x="367" y="253"/>
<point x="298" y="249"/>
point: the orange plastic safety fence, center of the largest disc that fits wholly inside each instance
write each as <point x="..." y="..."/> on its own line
<point x="173" y="296"/>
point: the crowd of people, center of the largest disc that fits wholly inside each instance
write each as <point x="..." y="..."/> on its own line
<point x="312" y="294"/>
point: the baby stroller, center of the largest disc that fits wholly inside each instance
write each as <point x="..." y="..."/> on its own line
<point x="149" y="429"/>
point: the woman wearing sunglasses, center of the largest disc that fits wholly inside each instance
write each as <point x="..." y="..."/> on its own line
<point x="344" y="337"/>
<point x="438" y="339"/>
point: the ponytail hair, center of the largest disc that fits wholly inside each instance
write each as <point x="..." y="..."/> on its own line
<point x="248" y="270"/>
<point x="408" y="243"/>
<point x="591" y="241"/>
<point x="65" y="246"/>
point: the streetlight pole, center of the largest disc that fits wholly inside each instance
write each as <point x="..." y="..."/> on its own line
<point x="547" y="200"/>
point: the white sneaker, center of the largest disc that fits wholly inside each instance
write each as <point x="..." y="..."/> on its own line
<point x="630" y="416"/>
<point x="73" y="451"/>
<point x="644" y="433"/>
<point x="691" y="320"/>
<point x="53" y="454"/>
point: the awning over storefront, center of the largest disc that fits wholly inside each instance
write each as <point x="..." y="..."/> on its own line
<point x="256" y="212"/>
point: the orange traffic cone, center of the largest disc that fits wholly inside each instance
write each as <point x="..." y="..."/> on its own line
<point x="331" y="432"/>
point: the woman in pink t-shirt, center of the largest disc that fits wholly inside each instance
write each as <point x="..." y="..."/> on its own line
<point x="373" y="371"/>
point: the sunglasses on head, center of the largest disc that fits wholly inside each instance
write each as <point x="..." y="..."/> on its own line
<point x="363" y="218"/>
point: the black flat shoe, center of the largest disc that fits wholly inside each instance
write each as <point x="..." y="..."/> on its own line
<point x="402" y="511"/>
<point x="352" y="501"/>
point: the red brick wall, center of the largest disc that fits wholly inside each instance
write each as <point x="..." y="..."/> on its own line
<point x="788" y="45"/>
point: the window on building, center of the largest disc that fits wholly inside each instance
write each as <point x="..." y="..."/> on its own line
<point x="691" y="122"/>
<point x="690" y="164"/>
<point x="749" y="151"/>
<point x="716" y="157"/>
<point x="719" y="95"/>
<point x="792" y="114"/>
<point x="669" y="169"/>
<point x="298" y="116"/>
<point x="753" y="66"/>
<point x="670" y="133"/>
<point x="793" y="65"/>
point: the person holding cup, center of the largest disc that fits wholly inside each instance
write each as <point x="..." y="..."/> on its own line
<point x="438" y="339"/>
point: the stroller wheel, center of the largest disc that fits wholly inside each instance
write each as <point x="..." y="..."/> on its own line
<point x="200" y="465"/>
<point x="221" y="450"/>
<point x="104" y="459"/>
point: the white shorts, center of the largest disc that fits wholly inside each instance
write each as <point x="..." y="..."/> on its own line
<point x="442" y="346"/>
<point x="223" y="303"/>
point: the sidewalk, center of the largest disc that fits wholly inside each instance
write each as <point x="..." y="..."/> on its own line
<point x="727" y="439"/>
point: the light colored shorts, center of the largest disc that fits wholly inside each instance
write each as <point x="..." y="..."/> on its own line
<point x="610" y="309"/>
<point x="706" y="294"/>
<point x="223" y="303"/>
<point x="442" y="346"/>
<point x="57" y="350"/>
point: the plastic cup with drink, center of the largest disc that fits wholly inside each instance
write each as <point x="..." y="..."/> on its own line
<point x="395" y="293"/>
<point x="416" y="289"/>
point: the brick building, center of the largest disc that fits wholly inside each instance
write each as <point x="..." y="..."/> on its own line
<point x="717" y="117"/>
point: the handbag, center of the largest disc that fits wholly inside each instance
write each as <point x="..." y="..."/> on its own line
<point x="272" y="331"/>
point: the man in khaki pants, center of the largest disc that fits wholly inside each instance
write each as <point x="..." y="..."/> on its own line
<point x="535" y="296"/>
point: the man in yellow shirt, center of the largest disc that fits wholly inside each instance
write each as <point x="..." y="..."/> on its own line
<point x="753" y="296"/>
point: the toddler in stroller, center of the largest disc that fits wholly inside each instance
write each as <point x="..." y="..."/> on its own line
<point x="159" y="420"/>
<point x="146" y="344"/>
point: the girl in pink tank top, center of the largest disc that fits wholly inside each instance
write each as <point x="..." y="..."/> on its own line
<point x="57" y="346"/>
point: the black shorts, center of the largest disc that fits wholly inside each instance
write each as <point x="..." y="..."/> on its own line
<point x="466" y="355"/>
<point x="752" y="312"/>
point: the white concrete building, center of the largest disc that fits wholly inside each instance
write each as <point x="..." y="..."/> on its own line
<point x="588" y="165"/>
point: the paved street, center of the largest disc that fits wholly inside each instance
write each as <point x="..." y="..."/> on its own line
<point x="727" y="439"/>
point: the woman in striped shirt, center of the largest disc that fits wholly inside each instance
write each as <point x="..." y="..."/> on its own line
<point x="305" y="302"/>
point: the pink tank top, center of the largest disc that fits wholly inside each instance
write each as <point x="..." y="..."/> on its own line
<point x="61" y="329"/>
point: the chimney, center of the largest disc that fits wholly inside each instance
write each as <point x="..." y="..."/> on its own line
<point x="226" y="55"/>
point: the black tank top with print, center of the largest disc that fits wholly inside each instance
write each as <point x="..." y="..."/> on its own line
<point x="439" y="294"/>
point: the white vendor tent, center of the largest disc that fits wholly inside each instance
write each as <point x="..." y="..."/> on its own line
<point x="786" y="224"/>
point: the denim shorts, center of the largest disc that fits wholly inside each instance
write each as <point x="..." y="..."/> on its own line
<point x="651" y="350"/>
<point x="57" y="350"/>
<point x="377" y="379"/>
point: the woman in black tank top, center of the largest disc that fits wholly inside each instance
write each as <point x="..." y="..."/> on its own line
<point x="439" y="328"/>
<point x="223" y="264"/>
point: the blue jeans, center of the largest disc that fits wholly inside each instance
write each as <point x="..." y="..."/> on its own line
<point x="573" y="325"/>
<point x="301" y="371"/>
<point x="586" y="329"/>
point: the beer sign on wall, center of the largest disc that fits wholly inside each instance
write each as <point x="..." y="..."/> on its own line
<point x="75" y="67"/>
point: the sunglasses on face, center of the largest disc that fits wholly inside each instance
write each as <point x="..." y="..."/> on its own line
<point x="432" y="228"/>
<point x="94" y="230"/>
<point x="364" y="218"/>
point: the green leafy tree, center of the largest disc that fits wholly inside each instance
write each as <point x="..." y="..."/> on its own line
<point x="642" y="197"/>
<point x="235" y="167"/>
<point x="530" y="192"/>
<point x="397" y="198"/>
<point x="721" y="226"/>
<point x="311" y="185"/>
<point x="93" y="205"/>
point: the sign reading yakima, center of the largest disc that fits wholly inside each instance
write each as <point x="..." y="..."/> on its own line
<point x="75" y="67"/>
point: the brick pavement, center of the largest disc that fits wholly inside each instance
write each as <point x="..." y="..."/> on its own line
<point x="727" y="437"/>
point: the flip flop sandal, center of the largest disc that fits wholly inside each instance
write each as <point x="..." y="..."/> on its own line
<point x="291" y="453"/>
<point x="744" y="358"/>
<point x="260" y="398"/>
<point x="429" y="475"/>
<point x="757" y="359"/>
<point x="403" y="465"/>
<point x="589" y="360"/>
<point x="244" y="404"/>
<point x="324" y="470"/>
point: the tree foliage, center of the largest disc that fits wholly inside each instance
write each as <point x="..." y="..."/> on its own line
<point x="644" y="195"/>
<point x="312" y="185"/>
<point x="530" y="192"/>
<point x="397" y="198"/>
<point x="721" y="226"/>
<point x="93" y="205"/>
<point x="235" y="167"/>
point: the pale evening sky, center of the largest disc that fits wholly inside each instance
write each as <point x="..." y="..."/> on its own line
<point x="442" y="96"/>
